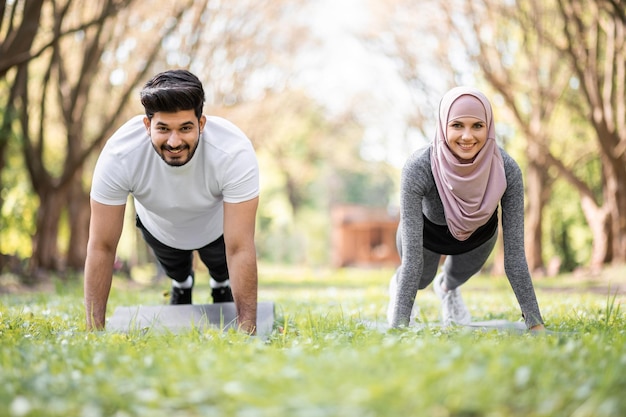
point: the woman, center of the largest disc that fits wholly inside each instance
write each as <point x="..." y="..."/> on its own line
<point x="449" y="206"/>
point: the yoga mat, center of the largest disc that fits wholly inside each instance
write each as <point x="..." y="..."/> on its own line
<point x="177" y="318"/>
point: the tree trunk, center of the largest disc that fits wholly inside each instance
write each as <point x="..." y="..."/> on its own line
<point x="45" y="242"/>
<point x="615" y="176"/>
<point x="5" y="132"/>
<point x="598" y="221"/>
<point x="15" y="49"/>
<point x="79" y="214"/>
<point x="596" y="46"/>
<point x="535" y="202"/>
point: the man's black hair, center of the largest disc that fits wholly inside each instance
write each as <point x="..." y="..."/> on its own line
<point x="172" y="91"/>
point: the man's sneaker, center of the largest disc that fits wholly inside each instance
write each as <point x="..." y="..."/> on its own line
<point x="222" y="294"/>
<point x="180" y="295"/>
<point x="453" y="308"/>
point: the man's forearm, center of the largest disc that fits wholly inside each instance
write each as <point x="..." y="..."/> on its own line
<point x="98" y="276"/>
<point x="242" y="268"/>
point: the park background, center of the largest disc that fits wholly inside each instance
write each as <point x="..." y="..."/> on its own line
<point x="335" y="95"/>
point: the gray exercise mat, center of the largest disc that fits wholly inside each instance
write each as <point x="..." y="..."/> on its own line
<point x="508" y="326"/>
<point x="498" y="324"/>
<point x="177" y="318"/>
<point x="511" y="326"/>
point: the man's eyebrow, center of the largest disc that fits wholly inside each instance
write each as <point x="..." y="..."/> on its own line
<point x="187" y="123"/>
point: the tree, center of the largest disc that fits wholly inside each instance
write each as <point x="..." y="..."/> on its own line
<point x="507" y="42"/>
<point x="311" y="161"/>
<point x="533" y="55"/>
<point x="484" y="38"/>
<point x="574" y="40"/>
<point x="424" y="65"/>
<point x="18" y="28"/>
<point x="58" y="128"/>
<point x="300" y="142"/>
<point x="595" y="44"/>
<point x="74" y="90"/>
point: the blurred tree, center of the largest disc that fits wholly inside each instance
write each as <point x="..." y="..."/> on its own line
<point x="369" y="185"/>
<point x="492" y="39"/>
<point x="290" y="131"/>
<point x="595" y="43"/>
<point x="507" y="41"/>
<point x="243" y="50"/>
<point x="19" y="27"/>
<point x="310" y="161"/>
<point x="19" y="23"/>
<point x="542" y="59"/>
<point x="564" y="43"/>
<point x="300" y="142"/>
<point x="72" y="97"/>
<point x="424" y="65"/>
<point x="62" y="120"/>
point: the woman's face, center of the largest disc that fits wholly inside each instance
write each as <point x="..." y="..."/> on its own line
<point x="466" y="136"/>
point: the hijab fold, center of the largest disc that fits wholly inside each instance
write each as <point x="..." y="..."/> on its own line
<point x="470" y="192"/>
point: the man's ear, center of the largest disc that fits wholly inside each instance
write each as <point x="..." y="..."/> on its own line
<point x="146" y="123"/>
<point x="202" y="122"/>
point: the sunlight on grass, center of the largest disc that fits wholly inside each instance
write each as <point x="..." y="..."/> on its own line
<point x="329" y="355"/>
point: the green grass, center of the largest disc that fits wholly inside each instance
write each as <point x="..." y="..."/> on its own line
<point x="329" y="360"/>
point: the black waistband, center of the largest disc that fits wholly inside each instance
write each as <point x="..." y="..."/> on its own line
<point x="438" y="238"/>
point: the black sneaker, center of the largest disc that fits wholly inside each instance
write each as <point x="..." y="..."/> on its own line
<point x="222" y="295"/>
<point x="181" y="295"/>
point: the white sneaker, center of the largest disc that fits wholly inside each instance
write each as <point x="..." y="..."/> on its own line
<point x="453" y="309"/>
<point x="393" y="288"/>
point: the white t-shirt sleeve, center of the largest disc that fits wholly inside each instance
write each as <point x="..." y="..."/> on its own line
<point x="241" y="177"/>
<point x="107" y="183"/>
<point x="110" y="184"/>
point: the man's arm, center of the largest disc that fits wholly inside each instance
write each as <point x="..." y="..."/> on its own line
<point x="105" y="228"/>
<point x="239" y="225"/>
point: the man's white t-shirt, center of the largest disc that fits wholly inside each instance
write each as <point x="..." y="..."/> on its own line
<point x="180" y="206"/>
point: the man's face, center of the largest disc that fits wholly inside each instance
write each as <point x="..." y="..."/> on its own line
<point x="175" y="136"/>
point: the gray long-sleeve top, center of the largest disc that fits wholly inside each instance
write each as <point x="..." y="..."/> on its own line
<point x="419" y="197"/>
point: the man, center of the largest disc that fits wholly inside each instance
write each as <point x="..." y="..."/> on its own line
<point x="195" y="184"/>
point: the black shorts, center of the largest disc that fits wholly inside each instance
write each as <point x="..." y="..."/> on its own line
<point x="178" y="263"/>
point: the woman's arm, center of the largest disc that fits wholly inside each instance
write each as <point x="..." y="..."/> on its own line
<point x="515" y="264"/>
<point x="415" y="179"/>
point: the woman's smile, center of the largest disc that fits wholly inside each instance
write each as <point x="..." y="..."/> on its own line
<point x="466" y="136"/>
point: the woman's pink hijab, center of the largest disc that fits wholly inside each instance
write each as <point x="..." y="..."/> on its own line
<point x="470" y="192"/>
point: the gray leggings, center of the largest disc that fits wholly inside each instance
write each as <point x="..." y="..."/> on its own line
<point x="457" y="269"/>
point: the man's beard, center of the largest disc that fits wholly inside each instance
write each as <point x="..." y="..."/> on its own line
<point x="176" y="162"/>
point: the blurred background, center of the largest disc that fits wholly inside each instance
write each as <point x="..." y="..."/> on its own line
<point x="335" y="95"/>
